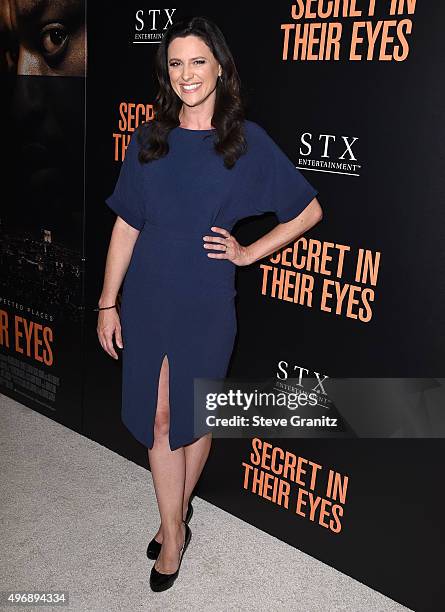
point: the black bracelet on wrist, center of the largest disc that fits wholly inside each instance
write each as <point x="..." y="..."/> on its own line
<point x="105" y="307"/>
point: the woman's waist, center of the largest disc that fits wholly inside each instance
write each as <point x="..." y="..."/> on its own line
<point x="182" y="235"/>
<point x="161" y="257"/>
<point x="183" y="248"/>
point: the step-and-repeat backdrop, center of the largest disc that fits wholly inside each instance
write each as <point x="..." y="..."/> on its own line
<point x="352" y="92"/>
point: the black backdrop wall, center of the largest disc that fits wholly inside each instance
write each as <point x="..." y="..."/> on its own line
<point x="364" y="125"/>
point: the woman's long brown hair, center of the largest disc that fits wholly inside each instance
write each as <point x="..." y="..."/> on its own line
<point x="228" y="114"/>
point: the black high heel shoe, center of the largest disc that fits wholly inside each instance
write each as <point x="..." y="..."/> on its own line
<point x="154" y="548"/>
<point x="162" y="582"/>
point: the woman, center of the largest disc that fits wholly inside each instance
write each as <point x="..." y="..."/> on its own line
<point x="187" y="177"/>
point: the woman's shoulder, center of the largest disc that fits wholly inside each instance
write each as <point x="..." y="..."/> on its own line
<point x="259" y="142"/>
<point x="141" y="135"/>
<point x="142" y="130"/>
<point x="252" y="128"/>
<point x="256" y="134"/>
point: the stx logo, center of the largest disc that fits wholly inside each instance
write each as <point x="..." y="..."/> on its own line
<point x="328" y="153"/>
<point x="292" y="378"/>
<point x="151" y="23"/>
<point x="298" y="372"/>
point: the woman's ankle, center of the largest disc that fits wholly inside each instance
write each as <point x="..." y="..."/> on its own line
<point x="171" y="527"/>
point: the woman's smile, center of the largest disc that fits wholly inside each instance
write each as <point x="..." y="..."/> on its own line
<point x="191" y="87"/>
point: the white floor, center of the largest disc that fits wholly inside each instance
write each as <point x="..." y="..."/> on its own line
<point x="77" y="517"/>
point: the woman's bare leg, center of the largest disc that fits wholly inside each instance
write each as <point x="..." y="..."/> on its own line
<point x="168" y="472"/>
<point x="195" y="458"/>
<point x="194" y="455"/>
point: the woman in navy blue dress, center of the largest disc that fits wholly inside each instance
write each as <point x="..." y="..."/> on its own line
<point x="188" y="176"/>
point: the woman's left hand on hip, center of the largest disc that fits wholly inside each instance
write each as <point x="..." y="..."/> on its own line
<point x="228" y="245"/>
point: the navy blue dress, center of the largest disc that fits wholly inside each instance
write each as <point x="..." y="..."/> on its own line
<point x="177" y="301"/>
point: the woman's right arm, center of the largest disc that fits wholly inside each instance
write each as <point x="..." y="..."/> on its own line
<point x="120" y="249"/>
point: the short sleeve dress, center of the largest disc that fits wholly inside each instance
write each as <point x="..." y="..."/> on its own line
<point x="177" y="301"/>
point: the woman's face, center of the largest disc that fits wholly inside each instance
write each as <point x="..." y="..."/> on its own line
<point x="190" y="62"/>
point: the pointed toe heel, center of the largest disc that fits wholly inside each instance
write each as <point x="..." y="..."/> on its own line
<point x="160" y="581"/>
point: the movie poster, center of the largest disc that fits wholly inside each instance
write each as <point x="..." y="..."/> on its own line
<point x="42" y="71"/>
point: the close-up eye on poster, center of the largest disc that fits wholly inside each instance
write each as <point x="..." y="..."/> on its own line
<point x="222" y="328"/>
